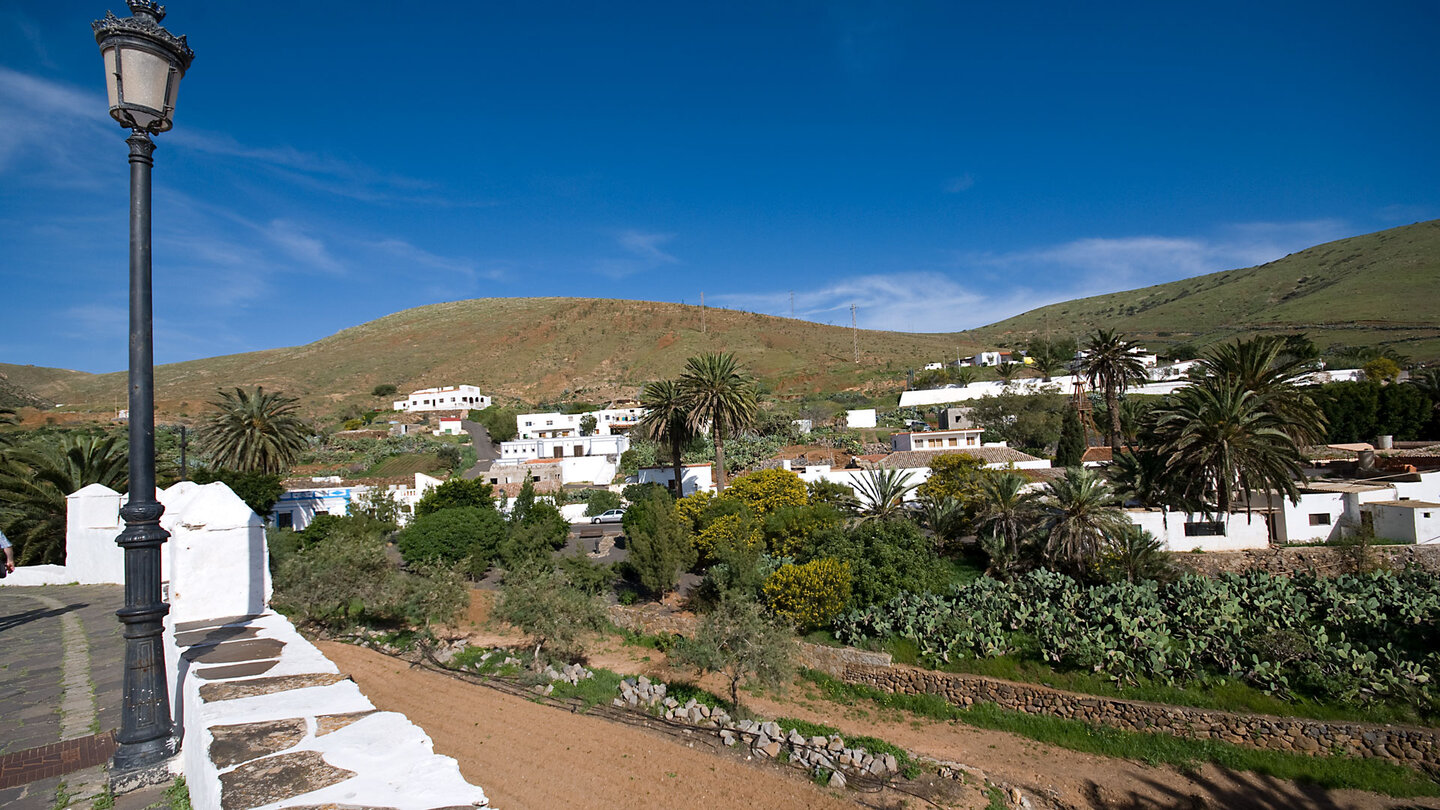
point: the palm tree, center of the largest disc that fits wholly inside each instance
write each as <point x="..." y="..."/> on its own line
<point x="944" y="517"/>
<point x="1224" y="439"/>
<point x="1079" y="515"/>
<point x="1262" y="365"/>
<point x="34" y="483"/>
<point x="7" y="419"/>
<point x="1112" y="364"/>
<point x="665" y="420"/>
<point x="882" y="492"/>
<point x="1428" y="381"/>
<point x="1007" y="512"/>
<point x="1007" y="371"/>
<point x="963" y="376"/>
<point x="254" y="431"/>
<point x="1046" y="363"/>
<point x="720" y="394"/>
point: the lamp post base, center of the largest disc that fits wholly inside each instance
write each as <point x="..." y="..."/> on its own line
<point x="125" y="779"/>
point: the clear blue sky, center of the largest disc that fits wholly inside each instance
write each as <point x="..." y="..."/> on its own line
<point x="942" y="165"/>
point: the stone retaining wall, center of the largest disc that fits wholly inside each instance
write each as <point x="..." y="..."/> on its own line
<point x="1410" y="746"/>
<point x="1286" y="561"/>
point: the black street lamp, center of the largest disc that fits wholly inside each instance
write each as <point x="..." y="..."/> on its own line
<point x="143" y="67"/>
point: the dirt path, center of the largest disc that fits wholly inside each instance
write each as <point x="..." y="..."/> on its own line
<point x="1071" y="778"/>
<point x="526" y="755"/>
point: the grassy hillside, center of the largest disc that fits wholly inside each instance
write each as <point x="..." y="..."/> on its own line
<point x="533" y="350"/>
<point x="1377" y="289"/>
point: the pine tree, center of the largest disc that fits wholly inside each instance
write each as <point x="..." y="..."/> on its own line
<point x="1071" y="448"/>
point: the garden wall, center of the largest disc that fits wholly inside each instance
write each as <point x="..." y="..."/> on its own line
<point x="1410" y="746"/>
<point x="1321" y="559"/>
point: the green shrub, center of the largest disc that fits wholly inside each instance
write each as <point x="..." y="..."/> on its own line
<point x="789" y="529"/>
<point x="342" y="580"/>
<point x="659" y="542"/>
<point x="886" y="558"/>
<point x="600" y="500"/>
<point x="453" y="534"/>
<point x="457" y="493"/>
<point x="258" y="490"/>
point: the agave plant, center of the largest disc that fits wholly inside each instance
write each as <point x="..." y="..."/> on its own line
<point x="882" y="493"/>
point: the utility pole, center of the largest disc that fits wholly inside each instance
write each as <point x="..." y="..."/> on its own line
<point x="855" y="333"/>
<point x="792" y="304"/>
<point x="702" y="312"/>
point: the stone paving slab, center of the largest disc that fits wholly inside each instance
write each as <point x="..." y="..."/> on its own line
<point x="33" y="686"/>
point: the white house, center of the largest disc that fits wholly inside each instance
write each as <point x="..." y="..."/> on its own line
<point x="620" y="417"/>
<point x="914" y="466"/>
<point x="696" y="477"/>
<point x="1327" y="510"/>
<point x="952" y="439"/>
<point x="565" y="447"/>
<point x="445" y="398"/>
<point x="580" y="459"/>
<point x="450" y="427"/>
<point x="861" y="418"/>
<point x="1407" y="521"/>
<point x="298" y="507"/>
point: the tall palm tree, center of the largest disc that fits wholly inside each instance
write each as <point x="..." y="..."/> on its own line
<point x="1112" y="364"/>
<point x="1262" y="365"/>
<point x="882" y="492"/>
<point x="1079" y="516"/>
<point x="666" y="420"/>
<point x="720" y="394"/>
<point x="1007" y="511"/>
<point x="1224" y="439"/>
<point x="35" y="481"/>
<point x="1046" y="363"/>
<point x="256" y="431"/>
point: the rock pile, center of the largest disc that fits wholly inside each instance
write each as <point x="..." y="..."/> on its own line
<point x="819" y="754"/>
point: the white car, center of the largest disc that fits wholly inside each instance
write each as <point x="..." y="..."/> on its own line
<point x="612" y="516"/>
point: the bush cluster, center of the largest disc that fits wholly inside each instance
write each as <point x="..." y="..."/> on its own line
<point x="1352" y="638"/>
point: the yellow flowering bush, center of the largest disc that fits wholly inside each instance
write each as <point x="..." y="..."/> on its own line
<point x="809" y="595"/>
<point x="737" y="530"/>
<point x="691" y="507"/>
<point x="764" y="491"/>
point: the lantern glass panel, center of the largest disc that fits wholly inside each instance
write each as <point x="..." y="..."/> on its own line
<point x="110" y="84"/>
<point x="143" y="75"/>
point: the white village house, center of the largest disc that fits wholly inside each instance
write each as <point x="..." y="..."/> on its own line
<point x="296" y="508"/>
<point x="444" y="398"/>
<point x="620" y="417"/>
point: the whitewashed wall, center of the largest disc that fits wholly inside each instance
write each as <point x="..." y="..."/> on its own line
<point x="1169" y="528"/>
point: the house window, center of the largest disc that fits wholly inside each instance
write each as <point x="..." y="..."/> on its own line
<point x="1205" y="528"/>
<point x="1320" y="519"/>
<point x="286" y="520"/>
<point x="954" y="442"/>
<point x="1425" y="514"/>
<point x="495" y="480"/>
<point x="579" y="449"/>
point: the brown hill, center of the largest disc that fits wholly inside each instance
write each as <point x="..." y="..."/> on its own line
<point x="532" y="350"/>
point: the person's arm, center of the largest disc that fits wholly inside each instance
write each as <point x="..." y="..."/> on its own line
<point x="9" y="560"/>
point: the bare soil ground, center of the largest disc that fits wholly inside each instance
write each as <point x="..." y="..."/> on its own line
<point x="529" y="755"/>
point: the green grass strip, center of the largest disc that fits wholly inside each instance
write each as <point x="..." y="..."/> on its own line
<point x="1330" y="772"/>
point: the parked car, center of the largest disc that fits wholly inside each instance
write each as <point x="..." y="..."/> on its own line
<point x="611" y="516"/>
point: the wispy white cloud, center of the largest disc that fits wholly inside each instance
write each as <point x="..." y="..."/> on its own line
<point x="984" y="288"/>
<point x="645" y="253"/>
<point x="52" y="126"/>
<point x="955" y="185"/>
<point x="409" y="253"/>
<point x="301" y="246"/>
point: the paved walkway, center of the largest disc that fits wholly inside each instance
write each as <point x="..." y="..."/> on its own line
<point x="61" y="674"/>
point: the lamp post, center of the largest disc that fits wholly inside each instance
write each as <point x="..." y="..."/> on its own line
<point x="143" y="67"/>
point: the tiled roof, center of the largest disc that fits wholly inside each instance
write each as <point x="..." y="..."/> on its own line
<point x="907" y="459"/>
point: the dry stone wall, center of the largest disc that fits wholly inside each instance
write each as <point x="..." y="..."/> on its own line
<point x="1285" y="561"/>
<point x="1419" y="747"/>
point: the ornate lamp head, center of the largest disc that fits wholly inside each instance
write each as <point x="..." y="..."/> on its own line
<point x="143" y="65"/>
